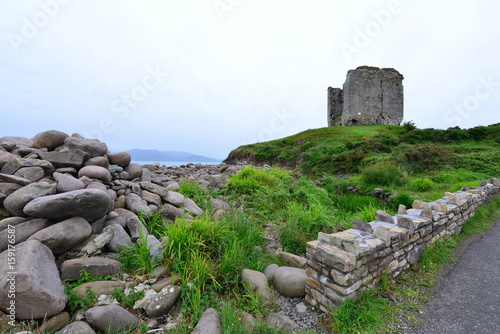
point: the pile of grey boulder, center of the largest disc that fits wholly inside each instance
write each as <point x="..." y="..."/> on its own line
<point x="67" y="204"/>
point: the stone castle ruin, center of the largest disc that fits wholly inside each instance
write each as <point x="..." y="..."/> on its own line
<point x="370" y="96"/>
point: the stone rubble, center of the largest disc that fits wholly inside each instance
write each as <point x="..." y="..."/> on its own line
<point x="70" y="201"/>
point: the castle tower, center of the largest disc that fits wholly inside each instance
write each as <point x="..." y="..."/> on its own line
<point x="370" y="96"/>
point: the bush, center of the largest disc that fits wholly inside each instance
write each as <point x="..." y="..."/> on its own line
<point x="427" y="157"/>
<point x="267" y="151"/>
<point x="422" y="184"/>
<point x="435" y="135"/>
<point x="382" y="174"/>
<point x="409" y="126"/>
<point x="458" y="175"/>
<point x="251" y="179"/>
<point x="404" y="199"/>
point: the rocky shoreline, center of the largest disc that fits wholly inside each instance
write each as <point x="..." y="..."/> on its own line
<point x="68" y="204"/>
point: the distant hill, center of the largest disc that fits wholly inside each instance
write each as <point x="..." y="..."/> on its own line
<point x="155" y="155"/>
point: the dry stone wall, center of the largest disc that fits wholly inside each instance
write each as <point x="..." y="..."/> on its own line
<point x="341" y="264"/>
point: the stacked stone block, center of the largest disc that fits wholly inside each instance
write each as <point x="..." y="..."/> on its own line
<point x="340" y="265"/>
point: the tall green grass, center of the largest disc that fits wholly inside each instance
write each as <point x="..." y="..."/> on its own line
<point x="366" y="314"/>
<point x="301" y="208"/>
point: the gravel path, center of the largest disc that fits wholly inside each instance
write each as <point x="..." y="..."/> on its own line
<point x="468" y="299"/>
<point x="305" y="316"/>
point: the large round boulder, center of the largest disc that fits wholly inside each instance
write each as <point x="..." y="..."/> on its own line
<point x="39" y="292"/>
<point x="49" y="139"/>
<point x="164" y="301"/>
<point x="67" y="182"/>
<point x="23" y="231"/>
<point x="63" y="236"/>
<point x="15" y="202"/>
<point x="95" y="266"/>
<point x="257" y="281"/>
<point x="290" y="282"/>
<point x="93" y="147"/>
<point x="121" y="159"/>
<point x="89" y="204"/>
<point x="96" y="172"/>
<point x="111" y="319"/>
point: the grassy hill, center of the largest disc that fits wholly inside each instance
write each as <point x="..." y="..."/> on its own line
<point x="348" y="149"/>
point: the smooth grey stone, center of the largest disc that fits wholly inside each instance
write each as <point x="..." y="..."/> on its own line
<point x="64" y="159"/>
<point x="93" y="147"/>
<point x="209" y="323"/>
<point x="120" y="238"/>
<point x="96" y="172"/>
<point x="121" y="159"/>
<point x="39" y="292"/>
<point x="290" y="282"/>
<point x="15" y="202"/>
<point x="63" y="236"/>
<point x="164" y="301"/>
<point x="95" y="266"/>
<point x="23" y="231"/>
<point x="111" y="319"/>
<point x="49" y="139"/>
<point x="67" y="182"/>
<point x="77" y="327"/>
<point x="89" y="204"/>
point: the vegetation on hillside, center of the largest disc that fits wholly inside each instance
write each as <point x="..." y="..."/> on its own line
<point x="348" y="149"/>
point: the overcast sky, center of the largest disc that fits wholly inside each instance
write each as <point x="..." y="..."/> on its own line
<point x="206" y="76"/>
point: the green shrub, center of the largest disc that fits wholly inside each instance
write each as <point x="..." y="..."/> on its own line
<point x="427" y="157"/>
<point x="293" y="239"/>
<point x="404" y="199"/>
<point x="322" y="155"/>
<point x="422" y="184"/>
<point x="383" y="143"/>
<point x="436" y="135"/>
<point x="266" y="151"/>
<point x="458" y="175"/>
<point x="349" y="161"/>
<point x="382" y="174"/>
<point x="250" y="179"/>
<point x="409" y="126"/>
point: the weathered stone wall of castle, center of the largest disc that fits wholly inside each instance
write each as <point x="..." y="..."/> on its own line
<point x="370" y="96"/>
<point x="335" y="106"/>
<point x="341" y="264"/>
